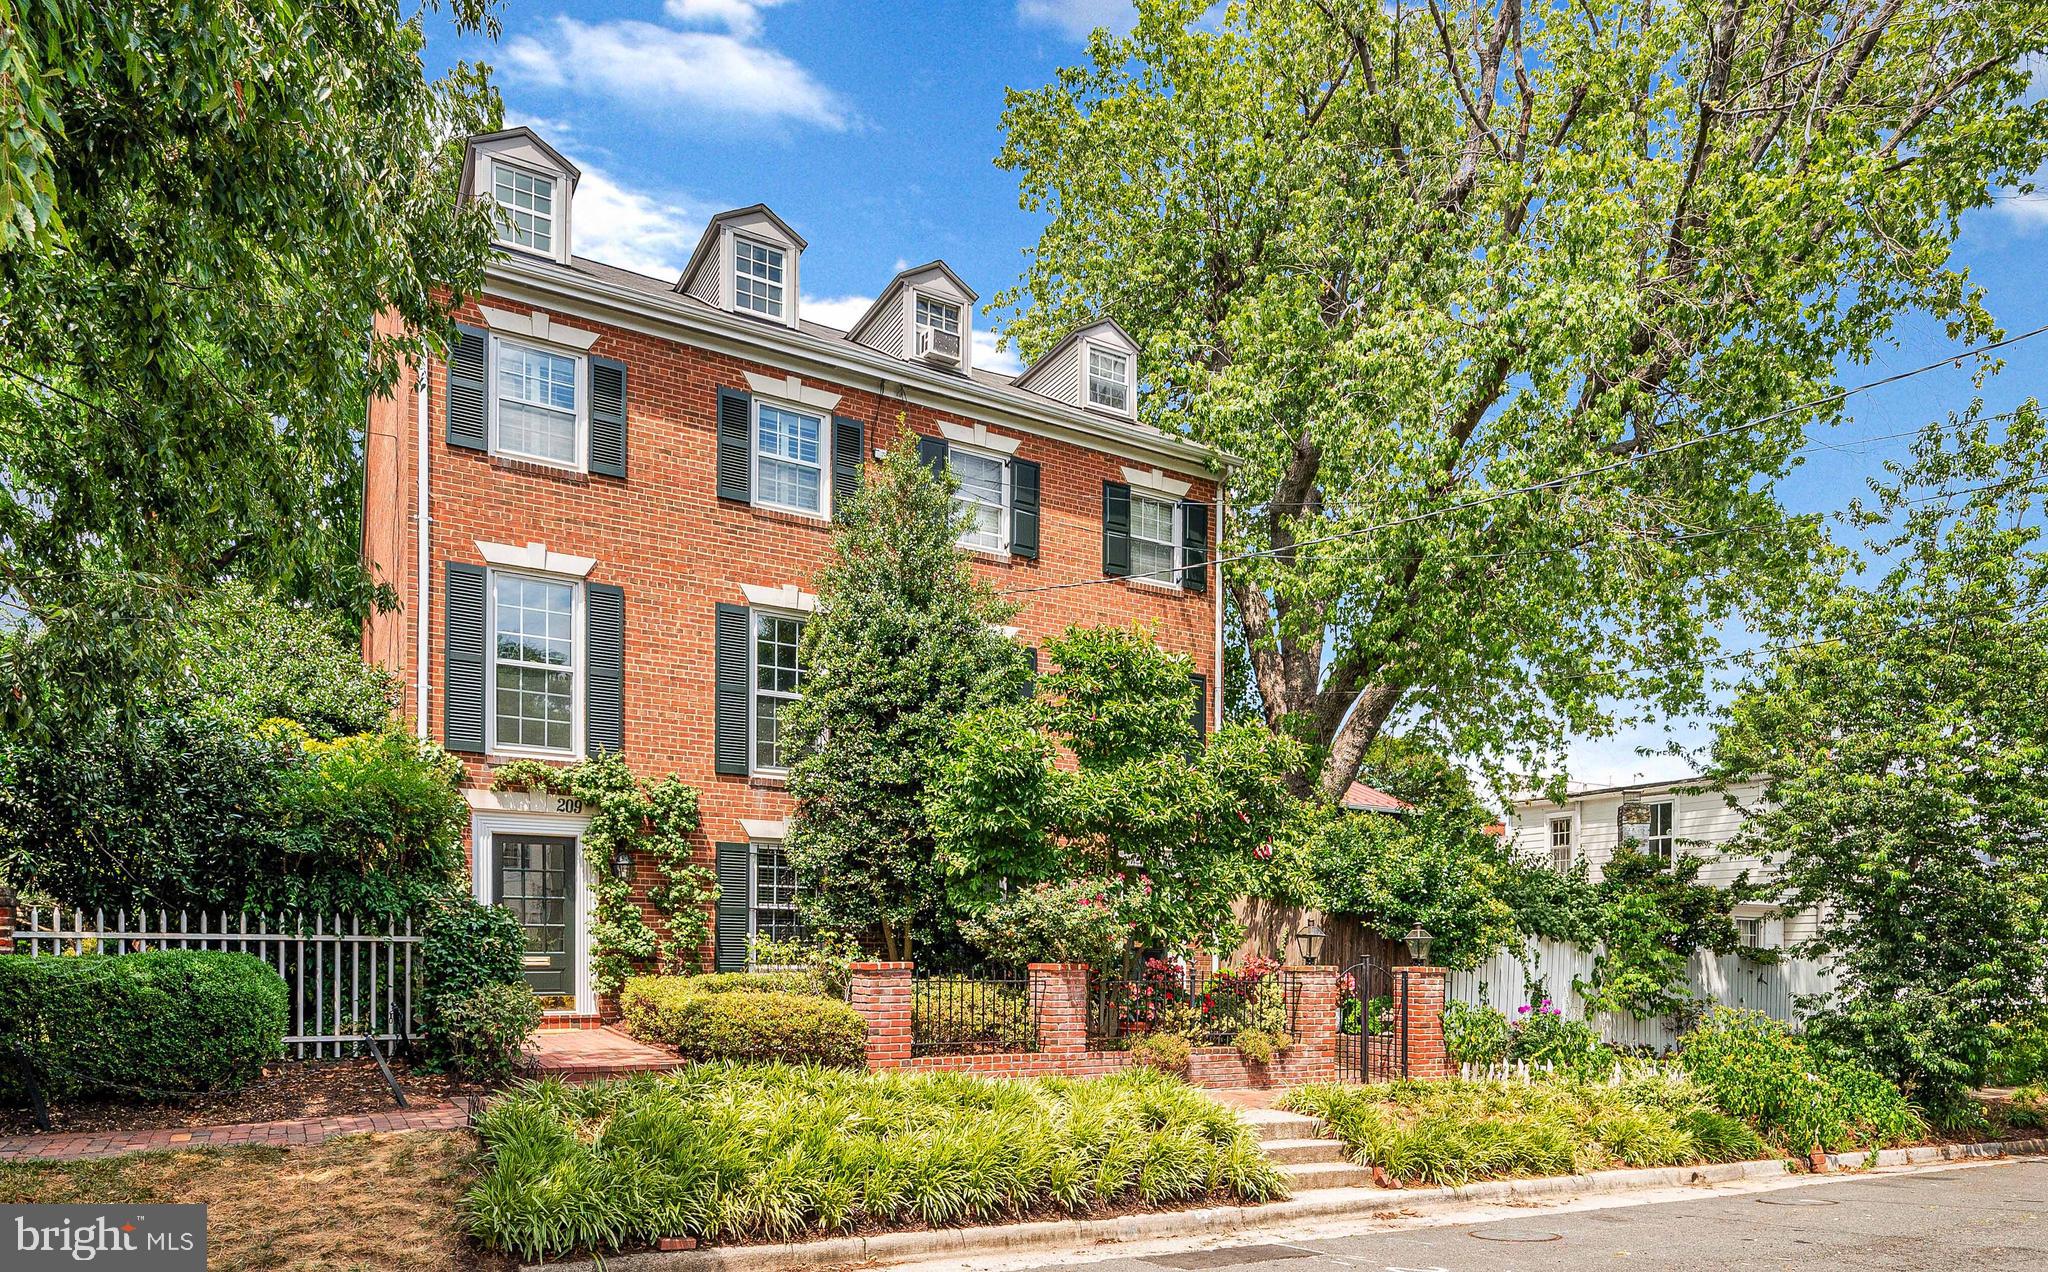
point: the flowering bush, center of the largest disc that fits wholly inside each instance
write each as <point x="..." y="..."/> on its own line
<point x="1078" y="921"/>
<point x="1543" y="1034"/>
<point x="1169" y="998"/>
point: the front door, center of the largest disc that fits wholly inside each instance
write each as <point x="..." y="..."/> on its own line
<point x="533" y="883"/>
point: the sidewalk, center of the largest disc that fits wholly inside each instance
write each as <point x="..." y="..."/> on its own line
<point x="84" y="1145"/>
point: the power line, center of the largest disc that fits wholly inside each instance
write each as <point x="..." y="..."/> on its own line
<point x="1558" y="482"/>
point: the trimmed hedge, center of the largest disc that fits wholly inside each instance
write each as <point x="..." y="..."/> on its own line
<point x="673" y="1011"/>
<point x="168" y="1020"/>
<point x="794" y="981"/>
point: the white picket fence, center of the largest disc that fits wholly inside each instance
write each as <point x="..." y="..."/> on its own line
<point x="1729" y="979"/>
<point x="344" y="984"/>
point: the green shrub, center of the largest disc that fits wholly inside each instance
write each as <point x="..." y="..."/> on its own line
<point x="1075" y="921"/>
<point x="1545" y="1035"/>
<point x="1168" y="1053"/>
<point x="465" y="946"/>
<point x="793" y="982"/>
<point x="1759" y="1070"/>
<point x="2019" y="1051"/>
<point x="672" y="1012"/>
<point x="1260" y="1046"/>
<point x="169" y="1021"/>
<point x="486" y="1028"/>
<point x="829" y="957"/>
<point x="1475" y="1035"/>
<point x="731" y="1152"/>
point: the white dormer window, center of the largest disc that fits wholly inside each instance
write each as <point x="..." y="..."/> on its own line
<point x="1109" y="380"/>
<point x="937" y="315"/>
<point x="757" y="278"/>
<point x="526" y="208"/>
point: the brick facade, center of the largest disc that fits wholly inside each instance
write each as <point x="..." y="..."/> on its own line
<point x="6" y="919"/>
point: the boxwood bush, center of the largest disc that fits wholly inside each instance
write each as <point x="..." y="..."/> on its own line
<point x="466" y="947"/>
<point x="793" y="981"/>
<point x="674" y="1011"/>
<point x="165" y="1021"/>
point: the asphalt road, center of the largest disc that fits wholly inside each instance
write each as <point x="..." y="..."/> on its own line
<point x="1986" y="1217"/>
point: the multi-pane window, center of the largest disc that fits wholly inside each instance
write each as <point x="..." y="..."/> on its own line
<point x="1155" y="546"/>
<point x="1561" y="844"/>
<point x="982" y="481"/>
<point x="778" y="681"/>
<point x="536" y="403"/>
<point x="1654" y="836"/>
<point x="1750" y="932"/>
<point x="757" y="278"/>
<point x="937" y="315"/>
<point x="789" y="460"/>
<point x="773" y="912"/>
<point x="534" y="657"/>
<point x="1109" y="379"/>
<point x="526" y="207"/>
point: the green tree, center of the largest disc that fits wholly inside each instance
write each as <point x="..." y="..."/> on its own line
<point x="1174" y="827"/>
<point x="235" y="654"/>
<point x="1652" y="917"/>
<point x="1903" y="736"/>
<point x="1401" y="258"/>
<point x="205" y="210"/>
<point x="906" y="639"/>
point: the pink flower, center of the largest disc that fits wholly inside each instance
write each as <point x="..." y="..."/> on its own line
<point x="1523" y="1010"/>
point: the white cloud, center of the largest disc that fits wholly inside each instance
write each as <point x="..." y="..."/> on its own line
<point x="835" y="311"/>
<point x="632" y="229"/>
<point x="1077" y="18"/>
<point x="990" y="358"/>
<point x="741" y="17"/>
<point x="722" y="74"/>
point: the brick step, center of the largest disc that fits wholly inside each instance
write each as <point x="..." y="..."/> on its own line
<point x="1306" y="1176"/>
<point x="1287" y="1152"/>
<point x="1278" y="1124"/>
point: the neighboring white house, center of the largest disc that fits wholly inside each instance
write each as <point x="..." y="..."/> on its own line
<point x="1679" y="822"/>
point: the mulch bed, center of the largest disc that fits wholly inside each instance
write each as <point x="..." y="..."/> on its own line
<point x="287" y="1090"/>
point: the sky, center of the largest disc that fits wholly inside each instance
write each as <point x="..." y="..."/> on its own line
<point x="872" y="129"/>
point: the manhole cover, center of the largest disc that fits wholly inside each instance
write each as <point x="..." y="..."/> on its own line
<point x="1796" y="1201"/>
<point x="1514" y="1234"/>
<point x="1234" y="1257"/>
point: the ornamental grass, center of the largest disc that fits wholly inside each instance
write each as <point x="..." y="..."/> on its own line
<point x="733" y="1153"/>
<point x="1453" y="1132"/>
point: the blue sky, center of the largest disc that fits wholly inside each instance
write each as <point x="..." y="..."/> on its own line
<point x="873" y="128"/>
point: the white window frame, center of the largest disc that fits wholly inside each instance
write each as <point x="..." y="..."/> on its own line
<point x="486" y="824"/>
<point x="553" y="250"/>
<point x="1755" y="923"/>
<point x="1002" y="463"/>
<point x="824" y="418"/>
<point x="579" y="658"/>
<point x="1172" y="579"/>
<point x="741" y="242"/>
<point x="1570" y="826"/>
<point x="754" y="906"/>
<point x="1088" y="354"/>
<point x="919" y="300"/>
<point x="754" y="690"/>
<point x="1670" y="835"/>
<point x="582" y="461"/>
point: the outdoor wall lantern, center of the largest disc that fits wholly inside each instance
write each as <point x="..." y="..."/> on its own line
<point x="622" y="862"/>
<point x="1310" y="939"/>
<point x="1634" y="812"/>
<point x="1418" y="940"/>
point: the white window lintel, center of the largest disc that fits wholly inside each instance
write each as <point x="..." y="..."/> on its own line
<point x="758" y="830"/>
<point x="1155" y="482"/>
<point x="791" y="389"/>
<point x="978" y="437"/>
<point x="537" y="326"/>
<point x="788" y="597"/>
<point x="535" y="557"/>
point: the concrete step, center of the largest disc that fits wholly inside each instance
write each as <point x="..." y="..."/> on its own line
<point x="1305" y="1176"/>
<point x="1302" y="1151"/>
<point x="1278" y="1124"/>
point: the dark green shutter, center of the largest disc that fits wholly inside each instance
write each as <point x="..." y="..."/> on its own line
<point x="1030" y="689"/>
<point x="1201" y="704"/>
<point x="1023" y="508"/>
<point x="729" y="936"/>
<point x="607" y="417"/>
<point x="1194" y="545"/>
<point x="735" y="446"/>
<point x="462" y="662"/>
<point x="849" y="446"/>
<point x="730" y="664"/>
<point x="1116" y="529"/>
<point x="932" y="452"/>
<point x="467" y="418"/>
<point x="604" y="690"/>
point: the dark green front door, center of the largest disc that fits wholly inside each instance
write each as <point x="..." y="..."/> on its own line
<point x="533" y="883"/>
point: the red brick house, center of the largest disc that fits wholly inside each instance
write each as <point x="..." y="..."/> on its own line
<point x="604" y="509"/>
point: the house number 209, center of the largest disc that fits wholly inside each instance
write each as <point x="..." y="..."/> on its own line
<point x="568" y="804"/>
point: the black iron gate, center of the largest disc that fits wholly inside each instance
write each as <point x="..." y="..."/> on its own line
<point x="1370" y="1045"/>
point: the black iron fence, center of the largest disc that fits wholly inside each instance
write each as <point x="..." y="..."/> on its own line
<point x="1206" y="1008"/>
<point x="972" y="1015"/>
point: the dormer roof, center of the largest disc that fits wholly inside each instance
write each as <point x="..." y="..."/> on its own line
<point x="910" y="278"/>
<point x="507" y="141"/>
<point x="707" y="244"/>
<point x="1061" y="373"/>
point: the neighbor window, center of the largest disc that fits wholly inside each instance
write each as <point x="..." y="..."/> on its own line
<point x="789" y="468"/>
<point x="1109" y="379"/>
<point x="537" y="403"/>
<point x="533" y="654"/>
<point x="1155" y="543"/>
<point x="772" y="913"/>
<point x="1654" y="836"/>
<point x="778" y="681"/>
<point x="526" y="207"/>
<point x="983" y="485"/>
<point x="1561" y="844"/>
<point x="1750" y="932"/>
<point x="757" y="281"/>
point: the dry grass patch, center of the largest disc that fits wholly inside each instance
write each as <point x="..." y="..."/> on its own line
<point x="361" y="1202"/>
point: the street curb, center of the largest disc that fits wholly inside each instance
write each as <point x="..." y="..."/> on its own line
<point x="1329" y="1203"/>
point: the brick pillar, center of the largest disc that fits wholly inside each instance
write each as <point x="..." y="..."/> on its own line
<point x="1059" y="994"/>
<point x="6" y="919"/>
<point x="1313" y="993"/>
<point x="1419" y="1021"/>
<point x="880" y="992"/>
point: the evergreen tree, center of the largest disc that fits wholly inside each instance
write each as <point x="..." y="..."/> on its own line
<point x="905" y="641"/>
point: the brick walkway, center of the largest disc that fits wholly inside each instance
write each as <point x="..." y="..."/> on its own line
<point x="584" y="1055"/>
<point x="82" y="1145"/>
